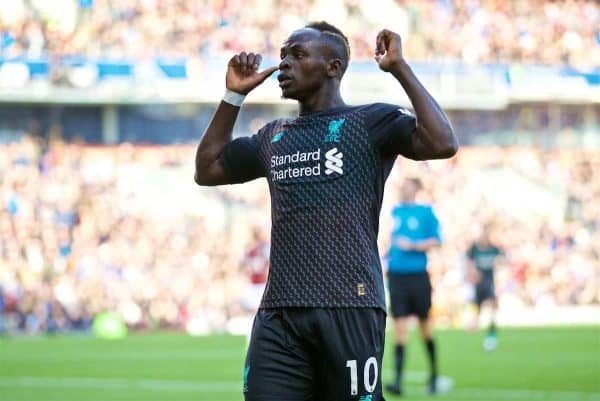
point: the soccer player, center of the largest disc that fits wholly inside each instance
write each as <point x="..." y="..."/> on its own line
<point x="416" y="231"/>
<point x="483" y="256"/>
<point x="319" y="332"/>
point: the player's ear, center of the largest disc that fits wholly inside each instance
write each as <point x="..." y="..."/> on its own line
<point x="335" y="68"/>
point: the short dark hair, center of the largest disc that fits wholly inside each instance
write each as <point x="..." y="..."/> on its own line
<point x="338" y="41"/>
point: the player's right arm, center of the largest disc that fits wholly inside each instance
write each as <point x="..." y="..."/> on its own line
<point x="242" y="76"/>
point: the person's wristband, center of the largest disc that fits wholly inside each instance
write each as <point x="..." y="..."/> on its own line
<point x="233" y="98"/>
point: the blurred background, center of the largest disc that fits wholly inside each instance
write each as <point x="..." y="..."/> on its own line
<point x="102" y="103"/>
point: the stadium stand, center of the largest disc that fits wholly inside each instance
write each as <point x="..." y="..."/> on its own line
<point x="101" y="245"/>
<point x="480" y="31"/>
<point x="101" y="101"/>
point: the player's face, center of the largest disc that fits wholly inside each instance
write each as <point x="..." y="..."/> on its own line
<point x="303" y="66"/>
<point x="409" y="190"/>
<point x="485" y="237"/>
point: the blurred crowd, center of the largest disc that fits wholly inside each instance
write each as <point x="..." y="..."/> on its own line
<point x="544" y="212"/>
<point x="80" y="234"/>
<point x="561" y="32"/>
<point x="87" y="229"/>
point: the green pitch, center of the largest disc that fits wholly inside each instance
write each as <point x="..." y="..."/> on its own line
<point x="546" y="364"/>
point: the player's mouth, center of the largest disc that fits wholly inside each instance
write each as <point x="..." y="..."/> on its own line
<point x="284" y="80"/>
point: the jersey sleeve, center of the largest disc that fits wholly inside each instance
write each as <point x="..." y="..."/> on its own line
<point x="391" y="128"/>
<point x="471" y="252"/>
<point x="498" y="252"/>
<point x="241" y="161"/>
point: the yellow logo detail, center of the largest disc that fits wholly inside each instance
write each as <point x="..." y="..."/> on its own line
<point x="361" y="289"/>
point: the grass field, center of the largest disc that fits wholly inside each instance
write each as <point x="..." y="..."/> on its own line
<point x="554" y="364"/>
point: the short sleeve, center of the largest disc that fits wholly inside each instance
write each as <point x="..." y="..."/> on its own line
<point x="391" y="128"/>
<point x="241" y="161"/>
<point x="498" y="251"/>
<point x="471" y="252"/>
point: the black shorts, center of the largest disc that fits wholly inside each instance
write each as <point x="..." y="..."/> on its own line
<point x="410" y="294"/>
<point x="484" y="290"/>
<point x="305" y="354"/>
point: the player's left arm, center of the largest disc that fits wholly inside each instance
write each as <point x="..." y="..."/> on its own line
<point x="434" y="137"/>
<point x="422" y="245"/>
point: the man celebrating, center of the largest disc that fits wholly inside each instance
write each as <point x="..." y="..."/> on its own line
<point x="319" y="332"/>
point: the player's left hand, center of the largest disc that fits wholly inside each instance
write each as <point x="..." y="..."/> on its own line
<point x="388" y="50"/>
<point x="404" y="244"/>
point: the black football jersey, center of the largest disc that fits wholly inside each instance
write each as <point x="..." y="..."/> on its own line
<point x="326" y="173"/>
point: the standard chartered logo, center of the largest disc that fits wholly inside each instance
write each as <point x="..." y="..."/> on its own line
<point x="305" y="164"/>
<point x="334" y="162"/>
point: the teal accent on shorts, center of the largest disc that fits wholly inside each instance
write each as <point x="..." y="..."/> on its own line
<point x="245" y="377"/>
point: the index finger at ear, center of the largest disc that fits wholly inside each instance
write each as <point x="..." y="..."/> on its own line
<point x="379" y="49"/>
<point x="234" y="61"/>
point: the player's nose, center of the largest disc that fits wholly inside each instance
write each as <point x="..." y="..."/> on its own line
<point x="284" y="64"/>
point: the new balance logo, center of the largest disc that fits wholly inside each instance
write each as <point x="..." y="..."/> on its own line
<point x="368" y="397"/>
<point x="277" y="137"/>
<point x="405" y="111"/>
<point x="334" y="162"/>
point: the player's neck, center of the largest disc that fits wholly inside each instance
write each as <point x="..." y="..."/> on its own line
<point x="328" y="98"/>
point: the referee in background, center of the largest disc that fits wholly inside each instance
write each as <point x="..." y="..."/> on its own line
<point x="416" y="231"/>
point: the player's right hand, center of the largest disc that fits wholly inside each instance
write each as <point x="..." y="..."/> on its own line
<point x="242" y="73"/>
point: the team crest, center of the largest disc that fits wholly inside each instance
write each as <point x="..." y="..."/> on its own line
<point x="334" y="130"/>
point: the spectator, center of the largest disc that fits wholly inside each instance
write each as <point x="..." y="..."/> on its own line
<point x="86" y="229"/>
<point x="475" y="31"/>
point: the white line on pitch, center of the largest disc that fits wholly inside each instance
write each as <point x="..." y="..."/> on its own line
<point x="233" y="386"/>
<point x="128" y="355"/>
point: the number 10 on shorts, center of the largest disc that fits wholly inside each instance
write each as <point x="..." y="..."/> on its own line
<point x="369" y="382"/>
